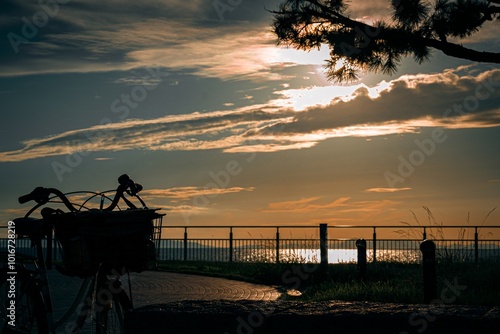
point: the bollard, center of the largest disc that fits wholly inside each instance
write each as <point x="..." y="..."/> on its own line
<point x="361" y="246"/>
<point x="323" y="246"/>
<point x="428" y="249"/>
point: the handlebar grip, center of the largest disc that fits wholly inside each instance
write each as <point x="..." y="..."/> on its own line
<point x="39" y="195"/>
<point x="26" y="198"/>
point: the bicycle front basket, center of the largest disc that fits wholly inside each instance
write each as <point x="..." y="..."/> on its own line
<point x="111" y="240"/>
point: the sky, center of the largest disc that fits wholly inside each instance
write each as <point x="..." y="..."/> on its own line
<point x="195" y="100"/>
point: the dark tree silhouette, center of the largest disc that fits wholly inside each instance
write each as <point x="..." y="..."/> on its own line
<point x="415" y="28"/>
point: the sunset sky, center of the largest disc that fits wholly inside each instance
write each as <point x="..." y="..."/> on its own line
<point x="195" y="101"/>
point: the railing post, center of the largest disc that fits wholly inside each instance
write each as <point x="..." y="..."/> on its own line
<point x="185" y="244"/>
<point x="424" y="236"/>
<point x="374" y="244"/>
<point x="277" y="245"/>
<point x="476" y="245"/>
<point x="361" y="246"/>
<point x="323" y="247"/>
<point x="428" y="248"/>
<point x="230" y="244"/>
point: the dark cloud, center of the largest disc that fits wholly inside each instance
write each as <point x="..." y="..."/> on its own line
<point x="439" y="98"/>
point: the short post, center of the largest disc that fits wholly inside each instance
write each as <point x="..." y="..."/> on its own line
<point x="230" y="244"/>
<point x="374" y="244"/>
<point x="185" y="244"/>
<point x="323" y="246"/>
<point x="277" y="245"/>
<point x="361" y="246"/>
<point x="428" y="249"/>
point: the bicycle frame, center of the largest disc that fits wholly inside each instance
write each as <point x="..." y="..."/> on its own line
<point x="39" y="274"/>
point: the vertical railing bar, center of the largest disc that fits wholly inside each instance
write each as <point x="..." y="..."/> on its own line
<point x="230" y="244"/>
<point x="476" y="245"/>
<point x="185" y="243"/>
<point x="277" y="245"/>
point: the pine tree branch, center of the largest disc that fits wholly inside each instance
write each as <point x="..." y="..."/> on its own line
<point x="449" y="49"/>
<point x="459" y="51"/>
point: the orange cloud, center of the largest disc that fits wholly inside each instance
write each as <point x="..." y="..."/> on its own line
<point x="186" y="193"/>
<point x="305" y="205"/>
<point x="386" y="190"/>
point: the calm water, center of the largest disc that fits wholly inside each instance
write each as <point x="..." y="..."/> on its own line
<point x="286" y="255"/>
<point x="256" y="253"/>
<point x="342" y="255"/>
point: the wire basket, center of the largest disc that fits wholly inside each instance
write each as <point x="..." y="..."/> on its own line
<point x="110" y="241"/>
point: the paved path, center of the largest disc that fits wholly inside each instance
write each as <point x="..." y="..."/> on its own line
<point x="155" y="287"/>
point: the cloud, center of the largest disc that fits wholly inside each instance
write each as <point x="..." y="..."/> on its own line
<point x="215" y="130"/>
<point x="188" y="193"/>
<point x="404" y="105"/>
<point x="15" y="212"/>
<point x="386" y="190"/>
<point x="305" y="205"/>
<point x="177" y="35"/>
<point x="102" y="37"/>
<point x="187" y="200"/>
<point x="342" y="208"/>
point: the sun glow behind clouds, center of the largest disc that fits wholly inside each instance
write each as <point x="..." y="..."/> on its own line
<point x="302" y="99"/>
<point x="300" y="57"/>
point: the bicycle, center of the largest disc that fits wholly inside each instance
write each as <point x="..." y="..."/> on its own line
<point x="98" y="245"/>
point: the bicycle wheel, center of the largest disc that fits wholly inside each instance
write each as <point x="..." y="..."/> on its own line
<point x="21" y="305"/>
<point x="111" y="304"/>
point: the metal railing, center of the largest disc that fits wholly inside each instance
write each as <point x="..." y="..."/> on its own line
<point x="471" y="246"/>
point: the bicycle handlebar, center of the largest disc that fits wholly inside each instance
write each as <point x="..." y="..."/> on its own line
<point x="41" y="195"/>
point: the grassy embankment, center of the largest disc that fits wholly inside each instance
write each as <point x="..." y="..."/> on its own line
<point x="458" y="283"/>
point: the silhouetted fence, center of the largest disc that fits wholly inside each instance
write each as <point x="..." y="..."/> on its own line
<point x="406" y="248"/>
<point x="185" y="243"/>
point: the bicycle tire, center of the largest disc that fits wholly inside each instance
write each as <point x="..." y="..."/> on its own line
<point x="109" y="313"/>
<point x="29" y="312"/>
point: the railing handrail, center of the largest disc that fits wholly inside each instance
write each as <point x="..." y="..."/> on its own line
<point x="331" y="226"/>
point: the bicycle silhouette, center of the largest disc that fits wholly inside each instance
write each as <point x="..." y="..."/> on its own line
<point x="98" y="244"/>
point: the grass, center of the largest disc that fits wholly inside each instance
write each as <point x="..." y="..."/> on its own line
<point x="458" y="283"/>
